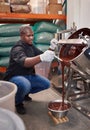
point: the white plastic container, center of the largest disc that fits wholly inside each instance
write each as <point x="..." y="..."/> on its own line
<point x="43" y="68"/>
<point x="38" y="6"/>
<point x="10" y="121"/>
<point x="7" y="95"/>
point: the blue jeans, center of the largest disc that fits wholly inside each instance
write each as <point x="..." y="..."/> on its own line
<point x="29" y="84"/>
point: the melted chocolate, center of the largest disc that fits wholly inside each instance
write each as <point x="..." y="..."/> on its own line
<point x="58" y="106"/>
<point x="69" y="52"/>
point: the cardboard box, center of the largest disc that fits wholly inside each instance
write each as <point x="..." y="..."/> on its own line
<point x="55" y="1"/>
<point x="4" y="8"/>
<point x="54" y="9"/>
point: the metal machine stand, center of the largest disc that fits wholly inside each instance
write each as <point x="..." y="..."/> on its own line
<point x="78" y="95"/>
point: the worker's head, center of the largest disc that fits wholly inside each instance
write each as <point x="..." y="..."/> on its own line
<point x="26" y="34"/>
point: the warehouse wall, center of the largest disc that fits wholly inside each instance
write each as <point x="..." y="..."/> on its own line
<point x="78" y="12"/>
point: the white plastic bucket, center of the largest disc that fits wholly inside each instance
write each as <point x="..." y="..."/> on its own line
<point x="10" y="121"/>
<point x="43" y="68"/>
<point x="7" y="95"/>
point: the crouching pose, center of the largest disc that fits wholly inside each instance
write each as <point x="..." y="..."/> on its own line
<point x="23" y="57"/>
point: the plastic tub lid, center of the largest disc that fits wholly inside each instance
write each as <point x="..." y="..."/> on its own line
<point x="10" y="121"/>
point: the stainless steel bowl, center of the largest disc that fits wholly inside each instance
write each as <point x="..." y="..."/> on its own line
<point x="59" y="113"/>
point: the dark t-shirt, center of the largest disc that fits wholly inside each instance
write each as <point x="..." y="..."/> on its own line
<point x="19" y="52"/>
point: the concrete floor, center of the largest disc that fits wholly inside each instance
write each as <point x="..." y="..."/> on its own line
<point x="37" y="117"/>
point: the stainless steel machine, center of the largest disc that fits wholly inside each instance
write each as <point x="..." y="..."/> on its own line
<point x="76" y="51"/>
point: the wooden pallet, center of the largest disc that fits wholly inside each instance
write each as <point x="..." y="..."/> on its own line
<point x="58" y="120"/>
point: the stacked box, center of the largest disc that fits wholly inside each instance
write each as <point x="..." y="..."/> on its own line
<point x="4" y="7"/>
<point x="54" y="9"/>
<point x="54" y="1"/>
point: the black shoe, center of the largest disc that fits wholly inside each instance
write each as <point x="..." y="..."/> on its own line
<point x="59" y="90"/>
<point x="20" y="108"/>
<point x="27" y="98"/>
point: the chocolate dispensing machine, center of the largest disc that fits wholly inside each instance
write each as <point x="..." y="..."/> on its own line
<point x="75" y="52"/>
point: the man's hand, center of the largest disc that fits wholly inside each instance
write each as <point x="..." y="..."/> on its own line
<point x="47" y="56"/>
<point x="53" y="44"/>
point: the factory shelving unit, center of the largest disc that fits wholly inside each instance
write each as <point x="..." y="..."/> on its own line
<point x="27" y="18"/>
<point x="30" y="17"/>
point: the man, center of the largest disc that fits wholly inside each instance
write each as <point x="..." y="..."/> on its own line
<point x="24" y="55"/>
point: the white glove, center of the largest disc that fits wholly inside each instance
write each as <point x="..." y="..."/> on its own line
<point x="53" y="44"/>
<point x="47" y="56"/>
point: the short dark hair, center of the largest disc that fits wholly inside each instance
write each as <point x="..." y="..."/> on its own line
<point x="23" y="29"/>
